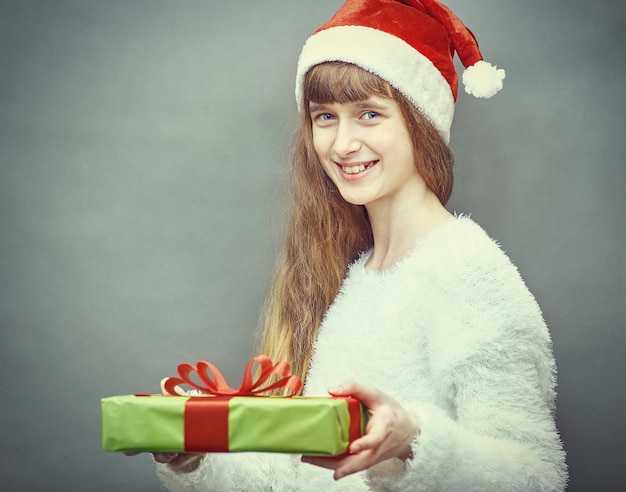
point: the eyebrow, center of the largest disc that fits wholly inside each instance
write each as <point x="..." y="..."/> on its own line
<point x="367" y="104"/>
<point x="313" y="108"/>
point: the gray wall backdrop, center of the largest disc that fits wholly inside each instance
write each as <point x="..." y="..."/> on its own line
<point x="142" y="145"/>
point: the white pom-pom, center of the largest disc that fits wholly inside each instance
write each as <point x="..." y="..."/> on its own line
<point x="483" y="79"/>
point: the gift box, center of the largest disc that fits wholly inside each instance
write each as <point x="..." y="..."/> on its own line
<point x="223" y="419"/>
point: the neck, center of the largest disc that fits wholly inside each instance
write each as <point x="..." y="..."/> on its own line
<point x="398" y="225"/>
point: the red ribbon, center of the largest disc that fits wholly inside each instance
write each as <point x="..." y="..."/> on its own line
<point x="214" y="383"/>
<point x="357" y="426"/>
<point x="206" y="425"/>
<point x="206" y="419"/>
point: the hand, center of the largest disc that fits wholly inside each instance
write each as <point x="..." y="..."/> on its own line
<point x="389" y="433"/>
<point x="184" y="462"/>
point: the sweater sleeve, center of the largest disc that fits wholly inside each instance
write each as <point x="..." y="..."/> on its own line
<point x="494" y="430"/>
<point x="505" y="444"/>
<point x="219" y="472"/>
<point x="502" y="437"/>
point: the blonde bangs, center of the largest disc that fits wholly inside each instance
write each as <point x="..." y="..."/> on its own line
<point x="343" y="82"/>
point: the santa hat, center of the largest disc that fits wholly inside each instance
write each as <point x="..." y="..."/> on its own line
<point x="410" y="44"/>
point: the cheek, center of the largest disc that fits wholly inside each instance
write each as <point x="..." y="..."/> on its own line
<point x="320" y="142"/>
<point x="404" y="152"/>
<point x="327" y="168"/>
<point x="320" y="146"/>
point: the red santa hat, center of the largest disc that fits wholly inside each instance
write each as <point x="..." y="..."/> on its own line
<point x="410" y="44"/>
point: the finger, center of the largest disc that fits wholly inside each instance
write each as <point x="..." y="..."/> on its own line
<point x="348" y="388"/>
<point x="370" y="396"/>
<point x="184" y="460"/>
<point x="329" y="462"/>
<point x="342" y="466"/>
<point x="375" y="435"/>
<point x="377" y="430"/>
<point x="344" y="389"/>
<point x="356" y="463"/>
<point x="367" y="442"/>
<point x="164" y="457"/>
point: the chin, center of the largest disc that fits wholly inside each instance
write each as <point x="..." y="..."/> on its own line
<point x="354" y="200"/>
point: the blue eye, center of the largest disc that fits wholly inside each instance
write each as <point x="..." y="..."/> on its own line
<point x="370" y="115"/>
<point x="323" y="119"/>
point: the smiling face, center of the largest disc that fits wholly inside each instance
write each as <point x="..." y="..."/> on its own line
<point x="332" y="84"/>
<point x="365" y="149"/>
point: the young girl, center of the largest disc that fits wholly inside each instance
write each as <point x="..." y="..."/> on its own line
<point x="382" y="294"/>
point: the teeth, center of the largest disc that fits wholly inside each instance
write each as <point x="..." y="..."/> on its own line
<point x="353" y="169"/>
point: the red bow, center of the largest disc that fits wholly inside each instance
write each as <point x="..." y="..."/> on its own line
<point x="214" y="384"/>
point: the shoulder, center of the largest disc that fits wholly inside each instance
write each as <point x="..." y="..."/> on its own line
<point x="491" y="319"/>
<point x="484" y="289"/>
<point x="478" y="264"/>
<point x="465" y="256"/>
<point x="463" y="242"/>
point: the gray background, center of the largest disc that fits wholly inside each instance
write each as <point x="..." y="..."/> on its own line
<point x="141" y="150"/>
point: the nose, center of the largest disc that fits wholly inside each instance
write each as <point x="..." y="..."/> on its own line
<point x="346" y="139"/>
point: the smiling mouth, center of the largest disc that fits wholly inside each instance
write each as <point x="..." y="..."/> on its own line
<point x="358" y="168"/>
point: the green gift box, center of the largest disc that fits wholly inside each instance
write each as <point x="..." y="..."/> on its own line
<point x="224" y="419"/>
<point x="298" y="425"/>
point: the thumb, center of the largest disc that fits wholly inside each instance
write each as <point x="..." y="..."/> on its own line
<point x="368" y="395"/>
<point x="349" y="388"/>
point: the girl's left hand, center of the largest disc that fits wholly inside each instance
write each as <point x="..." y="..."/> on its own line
<point x="390" y="431"/>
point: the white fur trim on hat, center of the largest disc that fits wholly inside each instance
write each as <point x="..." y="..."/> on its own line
<point x="389" y="57"/>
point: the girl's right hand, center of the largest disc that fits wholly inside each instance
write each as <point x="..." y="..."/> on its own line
<point x="183" y="462"/>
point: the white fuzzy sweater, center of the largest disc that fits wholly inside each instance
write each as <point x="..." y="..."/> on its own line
<point x="454" y="335"/>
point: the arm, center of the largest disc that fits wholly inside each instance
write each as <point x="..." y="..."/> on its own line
<point x="492" y="427"/>
<point x="390" y="431"/>
<point x="488" y="424"/>
<point x="204" y="472"/>
<point x="231" y="471"/>
<point x="502" y="438"/>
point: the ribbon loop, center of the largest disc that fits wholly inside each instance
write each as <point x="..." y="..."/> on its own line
<point x="213" y="383"/>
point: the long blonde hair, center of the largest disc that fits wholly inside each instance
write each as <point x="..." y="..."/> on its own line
<point x="325" y="234"/>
